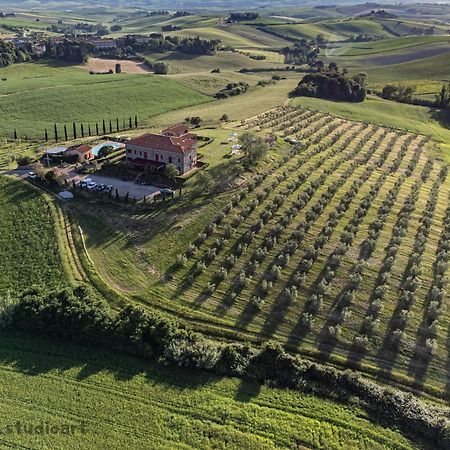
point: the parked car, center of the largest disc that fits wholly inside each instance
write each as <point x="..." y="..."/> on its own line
<point x="108" y="188"/>
<point x="32" y="175"/>
<point x="85" y="182"/>
<point x="91" y="186"/>
<point x="166" y="191"/>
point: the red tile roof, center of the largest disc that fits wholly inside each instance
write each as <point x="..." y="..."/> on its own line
<point x="178" y="129"/>
<point x="82" y="149"/>
<point x="166" y="143"/>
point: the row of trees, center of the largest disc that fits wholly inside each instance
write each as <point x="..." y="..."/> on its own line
<point x="159" y="43"/>
<point x="252" y="146"/>
<point x="78" y="315"/>
<point x="346" y="239"/>
<point x="272" y="207"/>
<point x="399" y="231"/>
<point x="77" y="130"/>
<point x="412" y="273"/>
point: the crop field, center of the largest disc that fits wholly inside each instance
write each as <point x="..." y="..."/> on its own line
<point x="223" y="60"/>
<point x="305" y="30"/>
<point x="29" y="246"/>
<point x="127" y="403"/>
<point x="35" y="96"/>
<point x="338" y="250"/>
<point x="390" y="46"/>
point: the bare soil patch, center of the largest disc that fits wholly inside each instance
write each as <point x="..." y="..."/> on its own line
<point x="103" y="65"/>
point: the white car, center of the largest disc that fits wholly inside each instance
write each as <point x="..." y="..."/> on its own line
<point x="32" y="175"/>
<point x="85" y="182"/>
<point x="91" y="185"/>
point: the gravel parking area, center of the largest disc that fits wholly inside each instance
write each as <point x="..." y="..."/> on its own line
<point x="134" y="190"/>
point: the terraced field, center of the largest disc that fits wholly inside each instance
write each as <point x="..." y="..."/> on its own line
<point x="338" y="249"/>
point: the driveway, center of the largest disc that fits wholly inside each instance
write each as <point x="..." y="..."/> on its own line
<point x="134" y="190"/>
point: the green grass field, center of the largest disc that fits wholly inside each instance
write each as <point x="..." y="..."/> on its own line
<point x="35" y="96"/>
<point x="223" y="60"/>
<point x="391" y="45"/>
<point x="29" y="248"/>
<point x="127" y="403"/>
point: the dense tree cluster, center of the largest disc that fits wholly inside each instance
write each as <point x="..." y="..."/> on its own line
<point x="330" y="85"/>
<point x="242" y="16"/>
<point x="304" y="51"/>
<point x="198" y="46"/>
<point x="232" y="89"/>
<point x="68" y="50"/>
<point x="398" y="92"/>
<point x="10" y="54"/>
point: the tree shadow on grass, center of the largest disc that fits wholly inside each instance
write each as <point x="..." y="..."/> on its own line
<point x="441" y="116"/>
<point x="247" y="391"/>
<point x="37" y="356"/>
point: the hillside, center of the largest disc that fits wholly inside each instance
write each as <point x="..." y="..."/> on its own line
<point x="298" y="244"/>
<point x="35" y="96"/>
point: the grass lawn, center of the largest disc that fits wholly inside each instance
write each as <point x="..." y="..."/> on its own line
<point x="237" y="108"/>
<point x="125" y="402"/>
<point x="35" y="96"/>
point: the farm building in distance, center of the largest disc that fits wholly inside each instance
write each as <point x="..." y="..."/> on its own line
<point x="174" y="145"/>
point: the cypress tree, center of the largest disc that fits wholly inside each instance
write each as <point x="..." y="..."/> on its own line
<point x="46" y="135"/>
<point x="135" y="121"/>
<point x="56" y="133"/>
<point x="130" y="124"/>
<point x="110" y="126"/>
<point x="96" y="129"/>
<point x="82" y="131"/>
<point x="117" y="124"/>
<point x="65" y="133"/>
<point x="104" y="127"/>
<point x="74" y="131"/>
<point x="89" y="130"/>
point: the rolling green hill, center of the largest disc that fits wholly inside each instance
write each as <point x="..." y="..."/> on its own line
<point x="35" y="96"/>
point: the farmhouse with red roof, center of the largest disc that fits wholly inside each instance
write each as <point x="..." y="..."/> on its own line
<point x="174" y="145"/>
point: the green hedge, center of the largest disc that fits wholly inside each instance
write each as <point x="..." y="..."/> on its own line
<point x="79" y="315"/>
